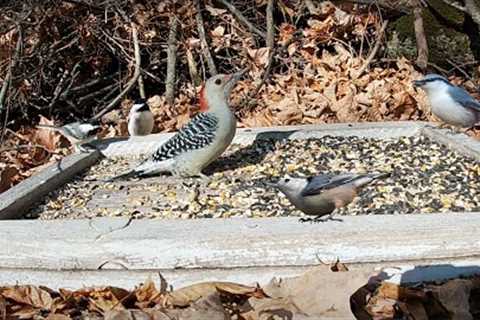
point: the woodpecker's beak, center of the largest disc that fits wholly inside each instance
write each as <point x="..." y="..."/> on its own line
<point x="233" y="79"/>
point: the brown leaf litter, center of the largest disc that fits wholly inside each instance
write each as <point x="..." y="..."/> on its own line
<point x="317" y="294"/>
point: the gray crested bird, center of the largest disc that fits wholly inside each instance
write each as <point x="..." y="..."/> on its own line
<point x="202" y="140"/>
<point x="140" y="119"/>
<point x="320" y="195"/>
<point x="78" y="133"/>
<point x="452" y="104"/>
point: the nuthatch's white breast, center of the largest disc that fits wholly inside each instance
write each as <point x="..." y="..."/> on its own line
<point x="452" y="104"/>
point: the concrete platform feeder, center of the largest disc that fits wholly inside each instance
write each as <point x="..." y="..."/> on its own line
<point x="123" y="252"/>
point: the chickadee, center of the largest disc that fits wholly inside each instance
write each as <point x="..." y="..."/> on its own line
<point x="79" y="134"/>
<point x="140" y="119"/>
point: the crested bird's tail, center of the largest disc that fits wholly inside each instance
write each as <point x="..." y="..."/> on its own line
<point x="365" y="179"/>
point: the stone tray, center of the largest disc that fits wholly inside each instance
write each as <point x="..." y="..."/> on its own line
<point x="123" y="252"/>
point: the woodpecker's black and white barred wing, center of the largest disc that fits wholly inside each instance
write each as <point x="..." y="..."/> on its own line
<point x="197" y="134"/>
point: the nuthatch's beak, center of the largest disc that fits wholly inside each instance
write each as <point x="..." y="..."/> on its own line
<point x="418" y="83"/>
<point x="270" y="184"/>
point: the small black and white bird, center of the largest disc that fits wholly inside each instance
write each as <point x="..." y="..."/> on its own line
<point x="320" y="195"/>
<point x="140" y="119"/>
<point x="80" y="134"/>
<point x="202" y="140"/>
<point x="452" y="104"/>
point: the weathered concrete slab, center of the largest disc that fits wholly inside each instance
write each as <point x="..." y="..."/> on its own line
<point x="15" y="201"/>
<point x="110" y="243"/>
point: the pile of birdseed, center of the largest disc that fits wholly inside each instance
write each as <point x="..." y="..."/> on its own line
<point x="425" y="177"/>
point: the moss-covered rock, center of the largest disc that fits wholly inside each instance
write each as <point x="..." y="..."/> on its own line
<point x="440" y="24"/>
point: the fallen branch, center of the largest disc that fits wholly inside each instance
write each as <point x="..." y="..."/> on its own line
<point x="270" y="25"/>
<point x="242" y="18"/>
<point x="171" y="61"/>
<point x="374" y="51"/>
<point x="422" y="46"/>
<point x="130" y="83"/>
<point x="203" y="40"/>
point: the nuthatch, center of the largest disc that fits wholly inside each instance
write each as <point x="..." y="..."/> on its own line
<point x="140" y="119"/>
<point x="321" y="195"/>
<point x="79" y="134"/>
<point x="452" y="104"/>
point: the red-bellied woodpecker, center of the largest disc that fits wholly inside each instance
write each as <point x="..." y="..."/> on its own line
<point x="140" y="119"/>
<point x="321" y="195"/>
<point x="79" y="134"/>
<point x="202" y="140"/>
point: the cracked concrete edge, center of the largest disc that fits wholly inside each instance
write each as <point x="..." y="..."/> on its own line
<point x="394" y="272"/>
<point x="15" y="201"/>
<point x="234" y="243"/>
<point x="140" y="145"/>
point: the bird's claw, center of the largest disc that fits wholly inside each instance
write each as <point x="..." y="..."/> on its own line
<point x="320" y="219"/>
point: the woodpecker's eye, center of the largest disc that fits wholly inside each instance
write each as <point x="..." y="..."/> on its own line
<point x="218" y="81"/>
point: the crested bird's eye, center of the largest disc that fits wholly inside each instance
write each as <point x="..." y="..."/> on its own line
<point x="286" y="180"/>
<point x="218" y="81"/>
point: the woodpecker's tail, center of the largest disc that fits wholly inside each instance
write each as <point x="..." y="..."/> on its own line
<point x="365" y="179"/>
<point x="123" y="176"/>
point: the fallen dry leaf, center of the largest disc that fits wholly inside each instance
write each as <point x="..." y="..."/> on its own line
<point x="46" y="137"/>
<point x="187" y="295"/>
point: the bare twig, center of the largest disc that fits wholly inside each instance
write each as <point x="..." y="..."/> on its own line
<point x="8" y="79"/>
<point x="455" y="66"/>
<point x="130" y="83"/>
<point x="141" y="87"/>
<point x="456" y="5"/>
<point x="268" y="69"/>
<point x="59" y="89"/>
<point x="192" y="68"/>
<point x="422" y="46"/>
<point x="242" y="18"/>
<point x="203" y="40"/>
<point x="270" y="25"/>
<point x="171" y="61"/>
<point x="473" y="9"/>
<point x="372" y="53"/>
